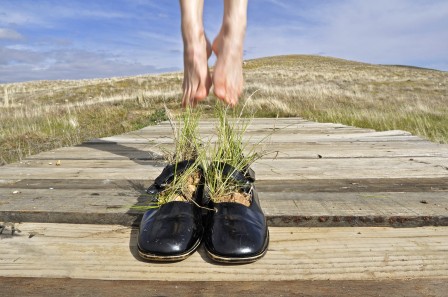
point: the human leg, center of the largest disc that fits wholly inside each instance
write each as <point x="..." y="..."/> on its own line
<point x="228" y="47"/>
<point x="197" y="50"/>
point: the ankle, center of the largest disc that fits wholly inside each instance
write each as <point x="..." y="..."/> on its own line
<point x="192" y="33"/>
<point x="234" y="30"/>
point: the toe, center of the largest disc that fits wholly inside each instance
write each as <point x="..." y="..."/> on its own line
<point x="201" y="93"/>
<point x="203" y="88"/>
<point x="220" y="92"/>
<point x="232" y="98"/>
<point x="186" y="98"/>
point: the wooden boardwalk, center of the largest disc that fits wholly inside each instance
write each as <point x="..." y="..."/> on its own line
<point x="317" y="175"/>
<point x="69" y="212"/>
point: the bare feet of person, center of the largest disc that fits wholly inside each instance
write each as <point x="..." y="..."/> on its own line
<point x="197" y="50"/>
<point x="197" y="79"/>
<point x="228" y="48"/>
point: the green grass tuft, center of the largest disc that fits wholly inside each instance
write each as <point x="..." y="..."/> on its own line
<point x="230" y="148"/>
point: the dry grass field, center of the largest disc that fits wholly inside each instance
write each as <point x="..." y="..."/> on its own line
<point x="41" y="115"/>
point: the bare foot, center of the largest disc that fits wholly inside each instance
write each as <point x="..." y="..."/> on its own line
<point x="197" y="50"/>
<point x="228" y="47"/>
<point x="197" y="79"/>
<point x="228" y="72"/>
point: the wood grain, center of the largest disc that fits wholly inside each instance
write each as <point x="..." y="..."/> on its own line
<point x="108" y="252"/>
<point x="55" y="287"/>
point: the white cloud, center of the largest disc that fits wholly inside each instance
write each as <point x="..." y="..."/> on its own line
<point x="23" y="65"/>
<point x="48" y="14"/>
<point x="12" y="56"/>
<point x="170" y="39"/>
<point x="10" y="34"/>
<point x="381" y="31"/>
<point x="279" y="3"/>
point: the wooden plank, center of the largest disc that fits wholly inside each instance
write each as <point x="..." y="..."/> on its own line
<point x="121" y="204"/>
<point x="257" y="138"/>
<point x="71" y="184"/>
<point x="267" y="122"/>
<point x="104" y="179"/>
<point x="286" y="120"/>
<point x="263" y="124"/>
<point x="108" y="252"/>
<point x="55" y="287"/>
<point x="252" y="125"/>
<point x="112" y="151"/>
<point x="266" y="169"/>
<point x="356" y="209"/>
<point x="356" y="185"/>
<point x="354" y="150"/>
<point x="256" y="130"/>
<point x="105" y="151"/>
<point x="294" y="169"/>
<point x="127" y="171"/>
<point x="89" y="164"/>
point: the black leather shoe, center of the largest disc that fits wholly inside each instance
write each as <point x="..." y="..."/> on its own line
<point x="236" y="233"/>
<point x="173" y="231"/>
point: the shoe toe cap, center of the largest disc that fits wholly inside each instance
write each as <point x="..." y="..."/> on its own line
<point x="169" y="232"/>
<point x="237" y="235"/>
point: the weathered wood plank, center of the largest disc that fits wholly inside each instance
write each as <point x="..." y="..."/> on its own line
<point x="258" y="138"/>
<point x="354" y="150"/>
<point x="359" y="185"/>
<point x="55" y="287"/>
<point x="266" y="169"/>
<point x="268" y="122"/>
<point x="278" y="186"/>
<point x="127" y="172"/>
<point x="108" y="252"/>
<point x="104" y="179"/>
<point x="89" y="164"/>
<point x="112" y="151"/>
<point x="117" y="205"/>
<point x="292" y="169"/>
<point x="105" y="151"/>
<point x="258" y="130"/>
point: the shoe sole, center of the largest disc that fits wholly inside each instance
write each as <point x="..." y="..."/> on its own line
<point x="237" y="260"/>
<point x="171" y="258"/>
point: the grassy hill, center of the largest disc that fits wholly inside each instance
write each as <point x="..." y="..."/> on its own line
<point x="42" y="115"/>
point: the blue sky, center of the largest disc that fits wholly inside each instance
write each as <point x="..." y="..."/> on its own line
<point x="53" y="39"/>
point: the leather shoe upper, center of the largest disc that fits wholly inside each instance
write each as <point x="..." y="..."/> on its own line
<point x="175" y="228"/>
<point x="236" y="231"/>
<point x="171" y="229"/>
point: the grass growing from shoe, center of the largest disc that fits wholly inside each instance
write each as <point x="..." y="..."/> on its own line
<point x="183" y="187"/>
<point x="187" y="142"/>
<point x="187" y="146"/>
<point x="230" y="148"/>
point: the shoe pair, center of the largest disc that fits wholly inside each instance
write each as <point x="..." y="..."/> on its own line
<point x="232" y="232"/>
